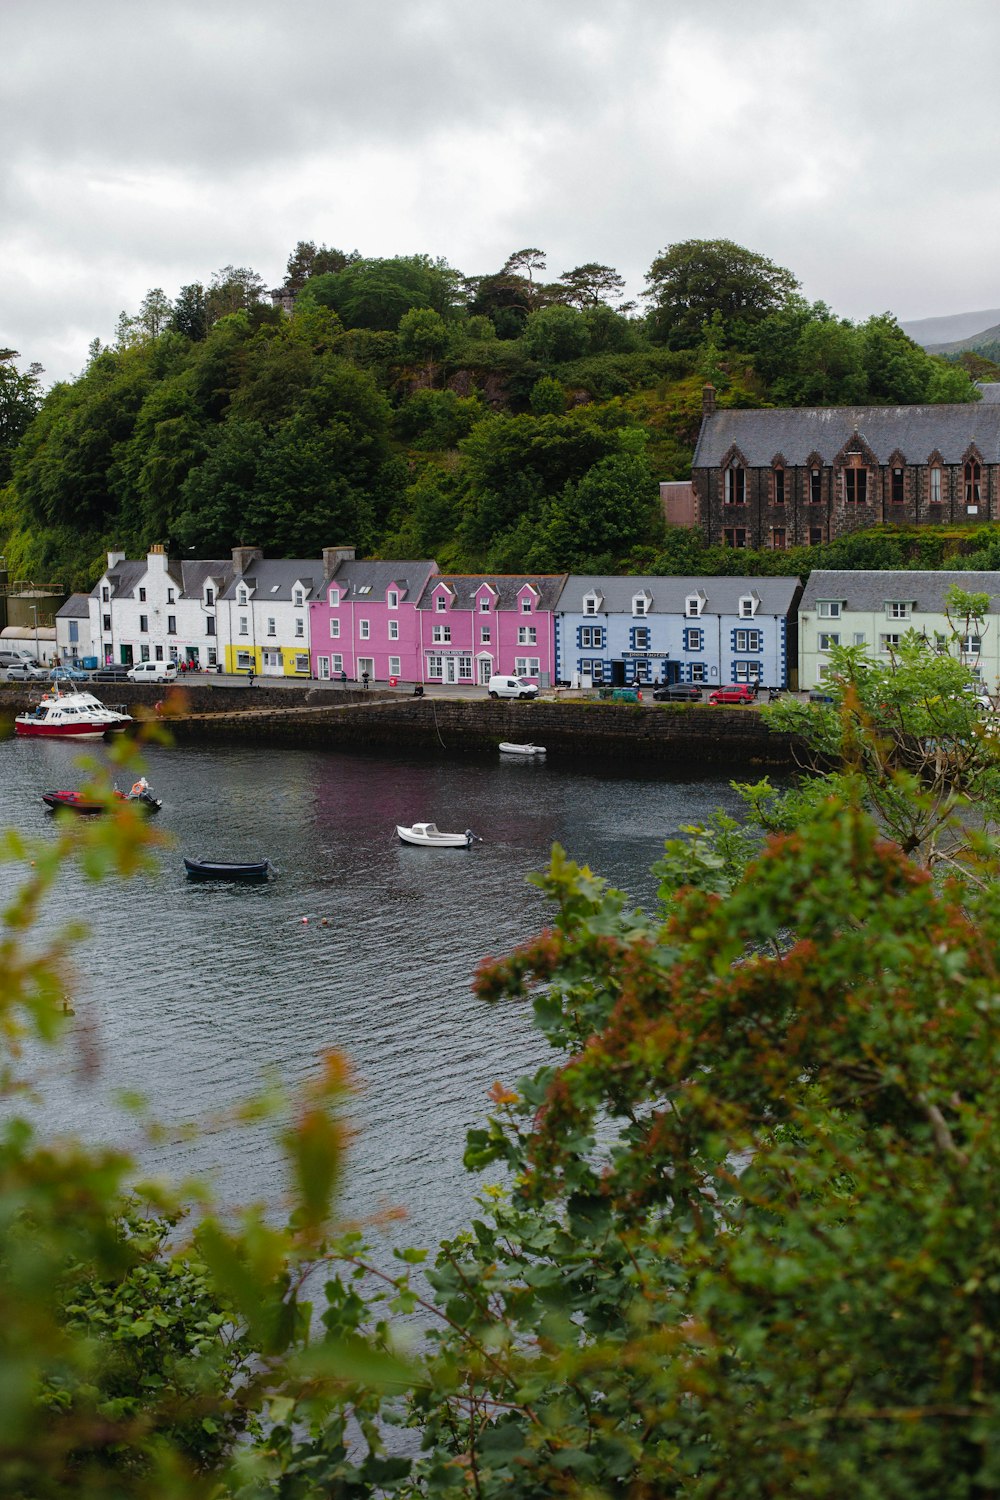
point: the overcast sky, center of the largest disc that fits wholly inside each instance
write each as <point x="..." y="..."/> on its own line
<point x="143" y="146"/>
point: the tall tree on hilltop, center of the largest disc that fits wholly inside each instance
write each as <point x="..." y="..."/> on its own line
<point x="306" y="261"/>
<point x="591" y="285"/>
<point x="233" y="289"/>
<point x="190" y="314"/>
<point x="690" y="281"/>
<point x="154" y="312"/>
<point x="20" y="399"/>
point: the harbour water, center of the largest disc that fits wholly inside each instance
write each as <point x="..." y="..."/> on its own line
<point x="192" y="995"/>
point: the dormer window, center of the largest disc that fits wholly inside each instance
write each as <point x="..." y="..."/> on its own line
<point x="392" y="598"/>
<point x="334" y="598"/>
<point x="591" y="603"/>
<point x="484" y="604"/>
<point x="640" y="604"/>
<point x="298" y="597"/>
<point x="440" y="603"/>
<point x="748" y="606"/>
<point x="526" y="605"/>
<point x="241" y="596"/>
<point x="693" y="606"/>
<point x="209" y="598"/>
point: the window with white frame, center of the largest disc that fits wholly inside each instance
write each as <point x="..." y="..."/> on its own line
<point x="334" y="601"/>
<point x="527" y="635"/>
<point x="828" y="609"/>
<point x="244" y="659"/>
<point x="335" y="630"/>
<point x="693" y="606"/>
<point x="595" y="668"/>
<point x="440" y="603"/>
<point x="484" y="635"/>
<point x="748" y="607"/>
<point x="272" y="626"/>
<point x="749" y="640"/>
<point x="144" y="653"/>
<point x="827" y="639"/>
<point x="897" y="609"/>
<point x="484" y="604"/>
<point x="859" y="638"/>
<point x="213" y="657"/>
<point x="394" y="630"/>
<point x="435" y="666"/>
<point x="970" y="645"/>
<point x="336" y="662"/>
<point x="300" y="627"/>
<point x="364" y="630"/>
<point x="694" y="638"/>
<point x="107" y="622"/>
<point x="301" y="663"/>
<point x="889" y="642"/>
<point x="592" y="636"/>
<point x="209" y="598"/>
<point x="244" y="625"/>
<point x="527" y="666"/>
<point x="640" y="605"/>
<point x="392" y="601"/>
<point x="590" y="603"/>
<point x="441" y="635"/>
<point x="465" y="666"/>
<point x="241" y="596"/>
<point x="105" y="595"/>
<point x="699" y="672"/>
<point x="394" y="666"/>
<point x="526" y="605"/>
<point x="298" y="598"/>
<point x="747" y="671"/>
<point x="642" y="638"/>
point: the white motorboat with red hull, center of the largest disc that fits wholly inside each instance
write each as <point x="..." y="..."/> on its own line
<point x="78" y="716"/>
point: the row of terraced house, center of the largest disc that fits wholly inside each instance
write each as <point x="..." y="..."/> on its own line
<point x="338" y="618"/>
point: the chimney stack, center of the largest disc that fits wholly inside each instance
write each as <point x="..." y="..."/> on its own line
<point x="114" y="558"/>
<point x="708" y="400"/>
<point x="244" y="556"/>
<point x="334" y="556"/>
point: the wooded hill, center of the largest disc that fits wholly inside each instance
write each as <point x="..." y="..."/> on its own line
<point x="501" y="423"/>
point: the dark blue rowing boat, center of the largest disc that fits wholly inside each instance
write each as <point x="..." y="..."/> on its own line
<point x="215" y="869"/>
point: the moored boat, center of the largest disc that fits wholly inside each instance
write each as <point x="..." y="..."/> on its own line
<point x="429" y="836"/>
<point x="507" y="747"/>
<point x="140" y="795"/>
<point x="78" y="716"/>
<point x="218" y="869"/>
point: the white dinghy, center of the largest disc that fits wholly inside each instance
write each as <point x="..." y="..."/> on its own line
<point x="527" y="751"/>
<point x="429" y="836"/>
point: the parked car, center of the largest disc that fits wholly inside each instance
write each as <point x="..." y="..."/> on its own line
<point x="153" y="671"/>
<point x="734" y="692"/>
<point x="26" y="671"/>
<point x="112" y="673"/>
<point x="17" y="658"/>
<point x="68" y="674"/>
<point x="677" y="692"/>
<point x="511" y="687"/>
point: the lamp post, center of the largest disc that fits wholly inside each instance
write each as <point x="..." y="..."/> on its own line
<point x="34" y="611"/>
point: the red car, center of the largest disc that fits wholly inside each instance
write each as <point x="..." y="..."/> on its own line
<point x="736" y="692"/>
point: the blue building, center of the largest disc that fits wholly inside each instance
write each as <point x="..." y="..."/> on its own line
<point x="623" y="631"/>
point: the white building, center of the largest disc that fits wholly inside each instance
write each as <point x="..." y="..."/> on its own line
<point x="158" y="610"/>
<point x="74" y="637"/>
<point x="264" y="612"/>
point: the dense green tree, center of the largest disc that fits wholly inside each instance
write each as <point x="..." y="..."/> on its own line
<point x="155" y="312"/>
<point x="548" y="397"/>
<point x="611" y="508"/>
<point x="554" y="335"/>
<point x="374" y="294"/>
<point x="436" y="420"/>
<point x="20" y="401"/>
<point x="306" y="261"/>
<point x="190" y="314"/>
<point x="423" y="334"/>
<point x="233" y="289"/>
<point x="592" y="285"/>
<point x="690" y="281"/>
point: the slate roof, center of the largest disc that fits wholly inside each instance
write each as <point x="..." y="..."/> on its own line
<point x="122" y="579"/>
<point x="507" y="587"/>
<point x="195" y="574"/>
<point x="77" y="607"/>
<point x="989" y="390"/>
<point x="723" y="595"/>
<point x="376" y="576"/>
<point x="869" y="589"/>
<point x="915" y="431"/>
<point x="274" y="578"/>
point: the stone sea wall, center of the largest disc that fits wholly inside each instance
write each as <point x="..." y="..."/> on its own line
<point x="678" y="735"/>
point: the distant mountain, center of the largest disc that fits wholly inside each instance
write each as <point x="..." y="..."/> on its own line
<point x="956" y="332"/>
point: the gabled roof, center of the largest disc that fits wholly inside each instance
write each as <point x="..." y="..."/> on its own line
<point x="123" y="579"/>
<point x="376" y="576"/>
<point x="796" y="434"/>
<point x="869" y="589"/>
<point x="507" y="588"/>
<point x="722" y="595"/>
<point x="77" y="607"/>
<point x="195" y="575"/>
<point x="272" y="579"/>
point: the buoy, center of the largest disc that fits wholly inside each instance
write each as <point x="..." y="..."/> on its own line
<point x="305" y="919"/>
<point x="323" y="922"/>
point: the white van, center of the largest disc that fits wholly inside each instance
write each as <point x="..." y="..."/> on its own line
<point x="512" y="687"/>
<point x="153" y="671"/>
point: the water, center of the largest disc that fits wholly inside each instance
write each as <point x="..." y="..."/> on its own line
<point x="192" y="994"/>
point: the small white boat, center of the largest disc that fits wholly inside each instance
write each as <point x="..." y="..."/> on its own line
<point x="78" y="716"/>
<point x="429" y="836"/>
<point x="507" y="748"/>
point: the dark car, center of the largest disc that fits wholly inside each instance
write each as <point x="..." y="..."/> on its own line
<point x="735" y="692"/>
<point x="678" y="692"/>
<point x="111" y="674"/>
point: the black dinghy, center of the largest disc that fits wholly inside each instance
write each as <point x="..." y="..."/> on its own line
<point x="216" y="869"/>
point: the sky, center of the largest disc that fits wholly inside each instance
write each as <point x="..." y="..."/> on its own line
<point x="148" y="146"/>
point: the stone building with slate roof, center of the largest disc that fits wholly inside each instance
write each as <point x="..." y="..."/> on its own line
<point x="874" y="609"/>
<point x="649" y="631"/>
<point x="474" y="625"/>
<point x="790" y="477"/>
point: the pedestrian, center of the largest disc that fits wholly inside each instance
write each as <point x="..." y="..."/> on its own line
<point x="364" y="680"/>
<point x="251" y="674"/>
<point x="343" y="678"/>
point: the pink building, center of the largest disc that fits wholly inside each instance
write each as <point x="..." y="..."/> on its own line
<point x="364" y="621"/>
<point x="472" y="625"/>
